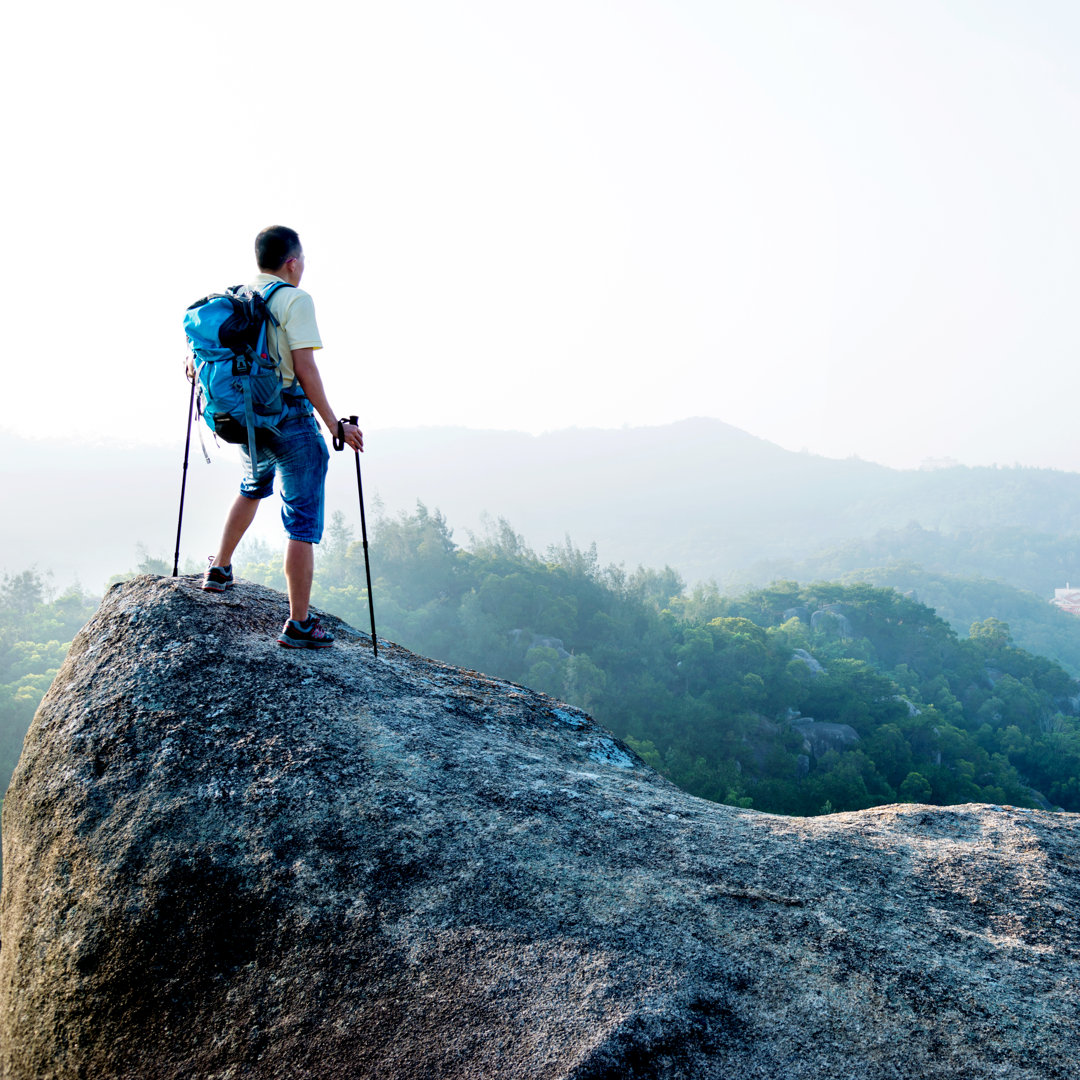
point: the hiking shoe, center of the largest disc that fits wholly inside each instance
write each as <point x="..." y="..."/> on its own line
<point x="305" y="635"/>
<point x="218" y="578"/>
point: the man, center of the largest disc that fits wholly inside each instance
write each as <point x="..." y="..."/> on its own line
<point x="298" y="454"/>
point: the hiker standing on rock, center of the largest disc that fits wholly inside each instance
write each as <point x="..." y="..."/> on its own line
<point x="296" y="451"/>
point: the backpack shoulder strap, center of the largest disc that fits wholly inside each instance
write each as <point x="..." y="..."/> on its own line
<point x="274" y="286"/>
<point x="271" y="319"/>
<point x="268" y="292"/>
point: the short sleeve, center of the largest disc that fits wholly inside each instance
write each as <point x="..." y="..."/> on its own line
<point x="298" y="321"/>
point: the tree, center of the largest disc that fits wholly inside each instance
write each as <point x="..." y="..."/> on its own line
<point x="21" y="593"/>
<point x="992" y="633"/>
<point x="915" y="788"/>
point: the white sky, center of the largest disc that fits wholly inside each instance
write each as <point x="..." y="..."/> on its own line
<point x="849" y="227"/>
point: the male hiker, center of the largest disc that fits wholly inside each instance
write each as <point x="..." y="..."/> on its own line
<point x="298" y="454"/>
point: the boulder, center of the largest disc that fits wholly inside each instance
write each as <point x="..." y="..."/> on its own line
<point x="819" y="737"/>
<point x="225" y="860"/>
<point x="831" y="619"/>
<point x="811" y="662"/>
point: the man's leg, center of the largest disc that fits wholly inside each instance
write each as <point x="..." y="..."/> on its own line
<point x="299" y="571"/>
<point x="302" y="461"/>
<point x="241" y="515"/>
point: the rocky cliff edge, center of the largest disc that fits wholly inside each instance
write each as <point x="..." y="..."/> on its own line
<point x="224" y="859"/>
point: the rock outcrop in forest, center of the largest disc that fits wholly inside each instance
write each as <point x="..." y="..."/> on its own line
<point x="224" y="859"/>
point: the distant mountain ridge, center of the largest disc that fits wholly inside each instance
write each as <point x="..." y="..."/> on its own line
<point x="699" y="495"/>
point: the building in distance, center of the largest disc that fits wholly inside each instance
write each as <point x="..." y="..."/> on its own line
<point x="1068" y="599"/>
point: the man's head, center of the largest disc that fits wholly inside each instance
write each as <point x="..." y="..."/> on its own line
<point x="278" y="251"/>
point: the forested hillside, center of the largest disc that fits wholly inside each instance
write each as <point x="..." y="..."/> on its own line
<point x="1024" y="556"/>
<point x="36" y="629"/>
<point x="799" y="699"/>
<point x="1009" y="572"/>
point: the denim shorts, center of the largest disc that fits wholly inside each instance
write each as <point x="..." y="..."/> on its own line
<point x="298" y="455"/>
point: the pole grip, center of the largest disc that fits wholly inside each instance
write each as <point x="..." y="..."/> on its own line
<point x="339" y="438"/>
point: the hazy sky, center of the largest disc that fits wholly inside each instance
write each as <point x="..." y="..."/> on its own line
<point x="849" y="227"/>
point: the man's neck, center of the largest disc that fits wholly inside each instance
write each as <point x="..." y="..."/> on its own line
<point x="284" y="274"/>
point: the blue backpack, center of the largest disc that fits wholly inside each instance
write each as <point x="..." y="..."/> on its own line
<point x="241" y="395"/>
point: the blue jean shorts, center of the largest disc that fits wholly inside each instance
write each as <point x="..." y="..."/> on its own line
<point x="298" y="455"/>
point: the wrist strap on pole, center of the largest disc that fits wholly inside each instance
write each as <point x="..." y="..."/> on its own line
<point x="339" y="438"/>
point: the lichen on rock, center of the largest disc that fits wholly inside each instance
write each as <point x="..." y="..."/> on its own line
<point x="224" y="859"/>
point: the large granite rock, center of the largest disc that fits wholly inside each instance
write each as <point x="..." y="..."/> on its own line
<point x="227" y="860"/>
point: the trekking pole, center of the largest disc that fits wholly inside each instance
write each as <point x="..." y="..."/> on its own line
<point x="339" y="444"/>
<point x="183" y="482"/>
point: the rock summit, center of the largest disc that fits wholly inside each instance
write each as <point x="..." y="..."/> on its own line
<point x="226" y="860"/>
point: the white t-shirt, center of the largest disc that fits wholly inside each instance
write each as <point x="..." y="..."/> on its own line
<point x="295" y="311"/>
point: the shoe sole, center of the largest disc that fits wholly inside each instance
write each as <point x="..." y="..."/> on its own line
<point x="213" y="586"/>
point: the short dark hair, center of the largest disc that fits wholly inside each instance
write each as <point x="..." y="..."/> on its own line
<point x="275" y="245"/>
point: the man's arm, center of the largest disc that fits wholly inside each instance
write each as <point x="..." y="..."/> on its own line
<point x="307" y="375"/>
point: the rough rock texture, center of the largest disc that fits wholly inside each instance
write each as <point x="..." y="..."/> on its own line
<point x="227" y="860"/>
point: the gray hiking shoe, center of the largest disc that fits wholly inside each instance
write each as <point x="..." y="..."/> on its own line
<point x="305" y="635"/>
<point x="218" y="578"/>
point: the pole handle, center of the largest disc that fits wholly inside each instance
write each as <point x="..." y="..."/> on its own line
<point x="339" y="438"/>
